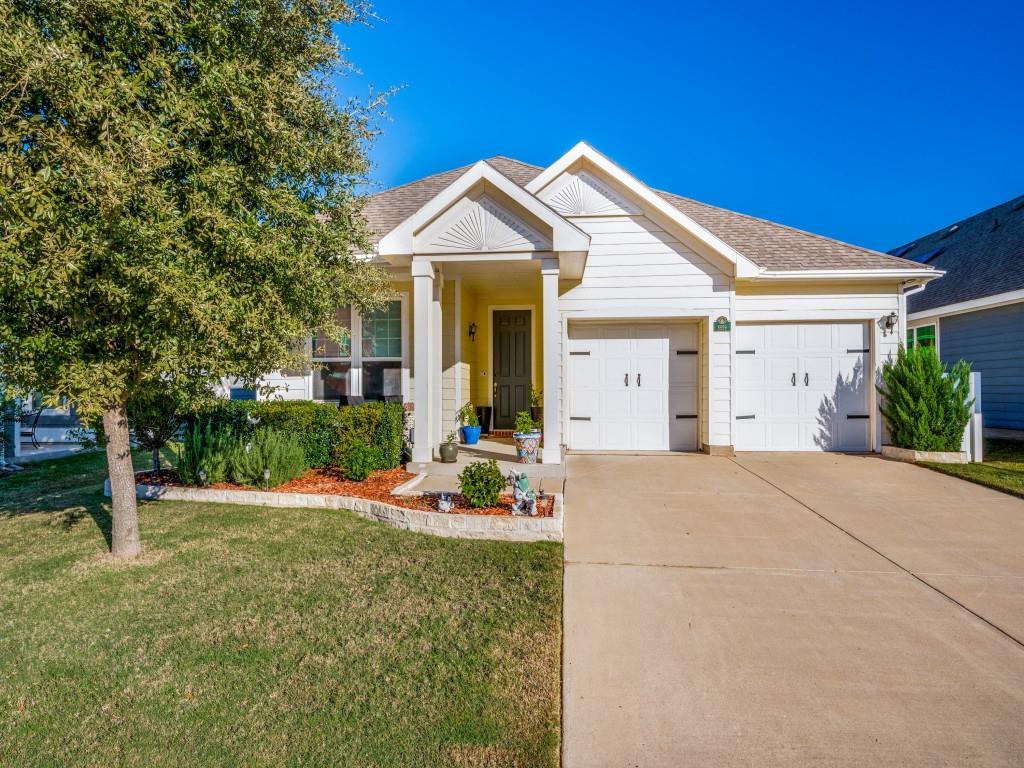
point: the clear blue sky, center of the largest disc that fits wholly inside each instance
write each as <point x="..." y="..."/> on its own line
<point x="870" y="122"/>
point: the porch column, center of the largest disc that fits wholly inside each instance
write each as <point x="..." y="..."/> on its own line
<point x="436" y="361"/>
<point x="552" y="323"/>
<point x="423" y="356"/>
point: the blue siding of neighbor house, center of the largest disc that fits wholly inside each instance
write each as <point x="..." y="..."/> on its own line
<point x="992" y="341"/>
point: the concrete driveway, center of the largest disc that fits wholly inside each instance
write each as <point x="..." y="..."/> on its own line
<point x="790" y="610"/>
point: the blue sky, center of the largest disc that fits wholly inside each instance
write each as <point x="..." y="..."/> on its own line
<point x="870" y="122"/>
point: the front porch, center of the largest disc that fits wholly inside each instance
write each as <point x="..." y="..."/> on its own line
<point x="502" y="450"/>
<point x="486" y="331"/>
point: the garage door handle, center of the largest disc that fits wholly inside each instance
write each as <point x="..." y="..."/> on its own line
<point x="625" y="378"/>
<point x="807" y="379"/>
<point x="638" y="379"/>
<point x="579" y="418"/>
<point x="792" y="379"/>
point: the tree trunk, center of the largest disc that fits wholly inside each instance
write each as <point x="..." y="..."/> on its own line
<point x="156" y="464"/>
<point x="124" y="535"/>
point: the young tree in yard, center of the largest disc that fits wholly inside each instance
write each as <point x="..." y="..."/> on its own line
<point x="177" y="199"/>
<point x="926" y="405"/>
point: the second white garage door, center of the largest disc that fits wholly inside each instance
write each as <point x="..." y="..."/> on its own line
<point x="802" y="387"/>
<point x="633" y="387"/>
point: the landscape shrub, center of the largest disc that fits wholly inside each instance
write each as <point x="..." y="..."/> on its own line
<point x="280" y="452"/>
<point x="380" y="425"/>
<point x="206" y="448"/>
<point x="524" y="423"/>
<point x="314" y="424"/>
<point x="925" y="403"/>
<point x="358" y="460"/>
<point x="323" y="429"/>
<point x="481" y="483"/>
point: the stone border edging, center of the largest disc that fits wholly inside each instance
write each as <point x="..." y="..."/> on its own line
<point x="496" y="527"/>
<point x="912" y="456"/>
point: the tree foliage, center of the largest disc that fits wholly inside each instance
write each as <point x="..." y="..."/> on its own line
<point x="926" y="405"/>
<point x="178" y="192"/>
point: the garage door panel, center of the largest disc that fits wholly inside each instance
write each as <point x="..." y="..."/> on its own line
<point x="807" y="411"/>
<point x="783" y="436"/>
<point x="583" y="434"/>
<point x="852" y="336"/>
<point x="615" y="433"/>
<point x="782" y="403"/>
<point x="750" y="371"/>
<point x="634" y="387"/>
<point x="816" y="338"/>
<point x="750" y="402"/>
<point x="782" y="337"/>
<point x="781" y="371"/>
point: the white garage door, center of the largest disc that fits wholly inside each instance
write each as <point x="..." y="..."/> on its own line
<point x="633" y="387"/>
<point x="802" y="387"/>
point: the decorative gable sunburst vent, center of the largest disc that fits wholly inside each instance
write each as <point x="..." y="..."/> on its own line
<point x="580" y="194"/>
<point x="483" y="225"/>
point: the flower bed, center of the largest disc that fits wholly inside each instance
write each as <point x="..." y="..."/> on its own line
<point x="379" y="486"/>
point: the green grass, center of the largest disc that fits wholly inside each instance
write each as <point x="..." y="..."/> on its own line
<point x="266" y="637"/>
<point x="1002" y="469"/>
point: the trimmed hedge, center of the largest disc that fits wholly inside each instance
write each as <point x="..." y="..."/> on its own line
<point x="380" y="425"/>
<point x="324" y="430"/>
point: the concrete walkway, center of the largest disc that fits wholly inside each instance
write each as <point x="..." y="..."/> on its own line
<point x="790" y="610"/>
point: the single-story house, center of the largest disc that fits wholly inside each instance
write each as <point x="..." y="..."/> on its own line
<point x="976" y="311"/>
<point x="650" y="321"/>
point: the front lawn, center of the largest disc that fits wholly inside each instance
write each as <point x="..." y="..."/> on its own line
<point x="1003" y="468"/>
<point x="250" y="636"/>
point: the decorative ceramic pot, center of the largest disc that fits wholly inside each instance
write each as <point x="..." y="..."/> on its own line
<point x="449" y="453"/>
<point x="527" y="444"/>
<point x="470" y="435"/>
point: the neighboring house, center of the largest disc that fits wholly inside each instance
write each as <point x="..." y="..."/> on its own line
<point x="650" y="321"/>
<point x="976" y="312"/>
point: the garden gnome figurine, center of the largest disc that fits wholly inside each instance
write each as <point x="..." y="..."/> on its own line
<point x="444" y="503"/>
<point x="525" y="499"/>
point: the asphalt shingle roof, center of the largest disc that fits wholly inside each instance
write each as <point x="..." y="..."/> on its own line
<point x="982" y="256"/>
<point x="769" y="245"/>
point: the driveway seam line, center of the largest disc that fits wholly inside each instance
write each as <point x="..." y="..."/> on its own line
<point x="996" y="627"/>
<point x="745" y="568"/>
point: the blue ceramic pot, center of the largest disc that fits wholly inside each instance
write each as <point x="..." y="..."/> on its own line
<point x="470" y="435"/>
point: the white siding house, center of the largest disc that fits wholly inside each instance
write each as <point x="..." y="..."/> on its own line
<point x="651" y="322"/>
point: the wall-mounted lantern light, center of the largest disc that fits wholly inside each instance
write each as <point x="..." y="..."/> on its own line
<point x="472" y="331"/>
<point x="889" y="321"/>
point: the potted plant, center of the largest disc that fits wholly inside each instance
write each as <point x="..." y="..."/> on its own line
<point x="449" y="449"/>
<point x="527" y="436"/>
<point x="470" y="428"/>
<point x="537" y="405"/>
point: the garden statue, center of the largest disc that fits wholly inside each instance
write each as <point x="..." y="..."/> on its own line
<point x="444" y="503"/>
<point x="525" y="499"/>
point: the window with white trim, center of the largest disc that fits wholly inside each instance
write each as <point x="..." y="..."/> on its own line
<point x="331" y="379"/>
<point x="381" y="346"/>
<point x="368" y="362"/>
<point x="923" y="336"/>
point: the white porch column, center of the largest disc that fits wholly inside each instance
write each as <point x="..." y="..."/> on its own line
<point x="436" y="361"/>
<point x="423" y="356"/>
<point x="552" y="322"/>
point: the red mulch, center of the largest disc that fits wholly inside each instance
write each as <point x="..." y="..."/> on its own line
<point x="377" y="487"/>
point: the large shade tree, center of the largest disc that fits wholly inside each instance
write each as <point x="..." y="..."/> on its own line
<point x="178" y="199"/>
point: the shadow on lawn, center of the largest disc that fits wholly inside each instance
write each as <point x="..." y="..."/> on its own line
<point x="66" y="491"/>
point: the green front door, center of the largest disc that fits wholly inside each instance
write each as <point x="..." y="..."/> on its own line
<point x="511" y="366"/>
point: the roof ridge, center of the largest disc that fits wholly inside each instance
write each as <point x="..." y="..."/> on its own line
<point x="961" y="222"/>
<point x="516" y="160"/>
<point x="462" y="168"/>
<point x="778" y="225"/>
